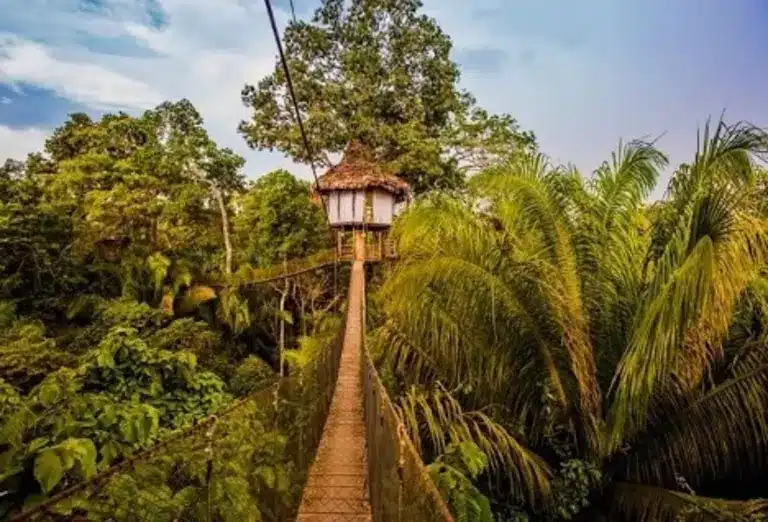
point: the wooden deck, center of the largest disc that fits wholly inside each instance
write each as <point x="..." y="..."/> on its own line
<point x="337" y="489"/>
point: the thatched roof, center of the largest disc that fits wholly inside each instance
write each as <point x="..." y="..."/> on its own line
<point x="358" y="170"/>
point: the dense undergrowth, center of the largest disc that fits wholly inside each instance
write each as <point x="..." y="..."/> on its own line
<point x="117" y="327"/>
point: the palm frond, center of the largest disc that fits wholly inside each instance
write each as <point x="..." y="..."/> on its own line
<point x="725" y="160"/>
<point x="621" y="185"/>
<point x="537" y="206"/>
<point x="657" y="335"/>
<point x="719" y="433"/>
<point x="393" y="349"/>
<point x="632" y="502"/>
<point x="439" y="418"/>
<point x="233" y="310"/>
<point x="711" y="252"/>
<point x="443" y="306"/>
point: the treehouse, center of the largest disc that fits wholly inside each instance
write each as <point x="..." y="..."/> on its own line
<point x="362" y="199"/>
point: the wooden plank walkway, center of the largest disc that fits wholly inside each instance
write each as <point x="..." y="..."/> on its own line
<point x="337" y="489"/>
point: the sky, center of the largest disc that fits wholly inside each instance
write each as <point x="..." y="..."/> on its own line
<point x="581" y="75"/>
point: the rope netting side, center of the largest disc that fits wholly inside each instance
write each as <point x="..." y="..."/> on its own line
<point x="247" y="462"/>
<point x="400" y="487"/>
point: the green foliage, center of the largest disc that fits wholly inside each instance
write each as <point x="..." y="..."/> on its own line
<point x="54" y="462"/>
<point x="439" y="418"/>
<point x="243" y="466"/>
<point x="103" y="315"/>
<point x="189" y="335"/>
<point x="252" y="374"/>
<point x="10" y="400"/>
<point x="123" y="396"/>
<point x="379" y="72"/>
<point x="125" y="366"/>
<point x="113" y="334"/>
<point x="158" y="266"/>
<point x="27" y="355"/>
<point x="571" y="488"/>
<point x="35" y="268"/>
<point x="233" y="310"/>
<point x="251" y="478"/>
<point x="129" y="313"/>
<point x="453" y="473"/>
<point x="278" y="220"/>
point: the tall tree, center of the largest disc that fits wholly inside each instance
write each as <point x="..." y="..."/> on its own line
<point x="380" y="72"/>
<point x="278" y="220"/>
<point x="132" y="181"/>
<point x="182" y="129"/>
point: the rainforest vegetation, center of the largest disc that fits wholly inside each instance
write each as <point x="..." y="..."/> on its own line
<point x="115" y="244"/>
<point x="559" y="346"/>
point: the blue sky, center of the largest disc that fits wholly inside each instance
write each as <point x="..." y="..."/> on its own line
<point x="581" y="75"/>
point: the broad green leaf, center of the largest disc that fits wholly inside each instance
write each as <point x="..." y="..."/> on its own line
<point x="106" y="357"/>
<point x="50" y="390"/>
<point x="36" y="444"/>
<point x="48" y="470"/>
<point x="109" y="451"/>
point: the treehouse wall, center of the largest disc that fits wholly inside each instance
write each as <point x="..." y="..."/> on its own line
<point x="348" y="207"/>
<point x="383" y="207"/>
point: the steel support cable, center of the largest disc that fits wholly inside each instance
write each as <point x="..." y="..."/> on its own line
<point x="292" y="93"/>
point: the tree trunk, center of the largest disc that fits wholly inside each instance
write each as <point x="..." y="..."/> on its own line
<point x="282" y="331"/>
<point x="224" y="229"/>
<point x="282" y="319"/>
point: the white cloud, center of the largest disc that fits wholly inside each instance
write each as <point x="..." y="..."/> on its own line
<point x="580" y="75"/>
<point x="5" y="100"/>
<point x="17" y="143"/>
<point x="206" y="53"/>
<point x="30" y="62"/>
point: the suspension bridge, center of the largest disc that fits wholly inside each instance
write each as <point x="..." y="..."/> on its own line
<point x="347" y="452"/>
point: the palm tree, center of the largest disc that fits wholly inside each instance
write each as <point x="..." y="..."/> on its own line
<point x="581" y="338"/>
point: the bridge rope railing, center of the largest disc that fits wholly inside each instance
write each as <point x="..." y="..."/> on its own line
<point x="249" y="461"/>
<point x="399" y="484"/>
<point x="246" y="278"/>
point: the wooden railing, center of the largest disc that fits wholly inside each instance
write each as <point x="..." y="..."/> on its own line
<point x="376" y="251"/>
<point x="347" y="253"/>
<point x="372" y="252"/>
